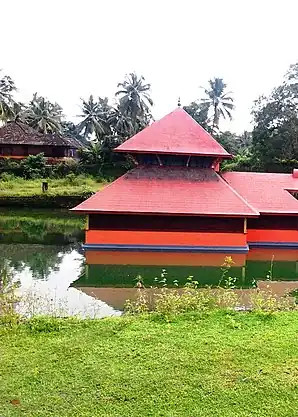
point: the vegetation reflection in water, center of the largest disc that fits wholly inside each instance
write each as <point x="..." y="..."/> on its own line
<point x="42" y="249"/>
<point x="45" y="246"/>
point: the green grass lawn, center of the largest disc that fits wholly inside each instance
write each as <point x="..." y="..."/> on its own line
<point x="20" y="187"/>
<point x="225" y="365"/>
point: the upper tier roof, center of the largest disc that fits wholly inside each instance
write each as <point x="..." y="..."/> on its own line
<point x="266" y="192"/>
<point x="165" y="190"/>
<point x="176" y="133"/>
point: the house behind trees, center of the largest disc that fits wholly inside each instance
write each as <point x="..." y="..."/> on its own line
<point x="18" y="140"/>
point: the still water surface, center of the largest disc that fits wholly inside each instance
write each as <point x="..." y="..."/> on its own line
<point x="43" y="249"/>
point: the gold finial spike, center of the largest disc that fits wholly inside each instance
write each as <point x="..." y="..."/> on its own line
<point x="179" y="102"/>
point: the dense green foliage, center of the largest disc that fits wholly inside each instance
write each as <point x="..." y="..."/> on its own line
<point x="276" y="125"/>
<point x="90" y="164"/>
<point x="227" y="364"/>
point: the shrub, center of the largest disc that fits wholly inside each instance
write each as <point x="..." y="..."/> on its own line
<point x="34" y="166"/>
<point x="6" y="177"/>
<point x="169" y="302"/>
<point x="69" y="166"/>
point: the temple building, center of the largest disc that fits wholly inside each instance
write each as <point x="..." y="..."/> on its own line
<point x="176" y="199"/>
<point x="18" y="140"/>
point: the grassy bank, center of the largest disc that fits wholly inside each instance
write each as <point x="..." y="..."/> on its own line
<point x="70" y="185"/>
<point x="64" y="192"/>
<point x="42" y="226"/>
<point x="54" y="220"/>
<point x="219" y="364"/>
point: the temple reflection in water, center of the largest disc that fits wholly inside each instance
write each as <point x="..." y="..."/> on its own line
<point x="112" y="276"/>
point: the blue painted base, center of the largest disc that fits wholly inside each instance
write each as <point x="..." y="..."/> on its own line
<point x="160" y="248"/>
<point x="273" y="245"/>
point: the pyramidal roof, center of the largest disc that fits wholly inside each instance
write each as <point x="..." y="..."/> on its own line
<point x="176" y="133"/>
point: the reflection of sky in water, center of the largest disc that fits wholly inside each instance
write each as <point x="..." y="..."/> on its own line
<point x="53" y="295"/>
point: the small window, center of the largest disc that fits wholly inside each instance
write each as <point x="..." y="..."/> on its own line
<point x="146" y="159"/>
<point x="174" y="160"/>
<point x="200" y="162"/>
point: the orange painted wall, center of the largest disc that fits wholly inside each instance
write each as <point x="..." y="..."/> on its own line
<point x="156" y="258"/>
<point x="254" y="235"/>
<point x="259" y="254"/>
<point x="164" y="238"/>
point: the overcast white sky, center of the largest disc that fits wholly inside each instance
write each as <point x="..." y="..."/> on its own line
<point x="67" y="49"/>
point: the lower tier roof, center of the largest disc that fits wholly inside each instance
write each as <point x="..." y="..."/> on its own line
<point x="269" y="193"/>
<point x="169" y="190"/>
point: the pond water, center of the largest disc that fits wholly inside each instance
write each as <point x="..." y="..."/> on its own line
<point x="43" y="250"/>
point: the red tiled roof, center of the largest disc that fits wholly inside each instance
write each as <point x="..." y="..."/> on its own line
<point x="176" y="133"/>
<point x="165" y="190"/>
<point x="267" y="192"/>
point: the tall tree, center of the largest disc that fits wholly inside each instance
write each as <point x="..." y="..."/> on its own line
<point x="234" y="143"/>
<point x="69" y="129"/>
<point x="219" y="101"/>
<point x="43" y="115"/>
<point x="7" y="88"/>
<point x="96" y="115"/>
<point x="199" y="112"/>
<point x="135" y="102"/>
<point x="275" y="133"/>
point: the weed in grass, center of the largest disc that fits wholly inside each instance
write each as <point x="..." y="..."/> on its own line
<point x="267" y="301"/>
<point x="169" y="302"/>
<point x="8" y="297"/>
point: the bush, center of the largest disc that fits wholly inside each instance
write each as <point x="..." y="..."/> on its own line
<point x="34" y="166"/>
<point x="6" y="177"/>
<point x="69" y="166"/>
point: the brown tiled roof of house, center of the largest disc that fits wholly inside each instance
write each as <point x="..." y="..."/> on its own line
<point x="21" y="134"/>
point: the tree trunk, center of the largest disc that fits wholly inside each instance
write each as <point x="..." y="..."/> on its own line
<point x="215" y="118"/>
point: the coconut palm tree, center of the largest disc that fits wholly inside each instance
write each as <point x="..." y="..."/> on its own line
<point x="135" y="100"/>
<point x="7" y="88"/>
<point x="220" y="101"/>
<point x="43" y="115"/>
<point x="95" y="114"/>
<point x="91" y="154"/>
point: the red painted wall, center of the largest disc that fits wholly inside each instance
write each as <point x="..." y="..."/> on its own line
<point x="259" y="235"/>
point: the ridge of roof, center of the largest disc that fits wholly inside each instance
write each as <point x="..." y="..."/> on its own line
<point x="175" y="133"/>
<point x="240" y="196"/>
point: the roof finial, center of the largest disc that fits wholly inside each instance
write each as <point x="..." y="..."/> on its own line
<point x="179" y="102"/>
